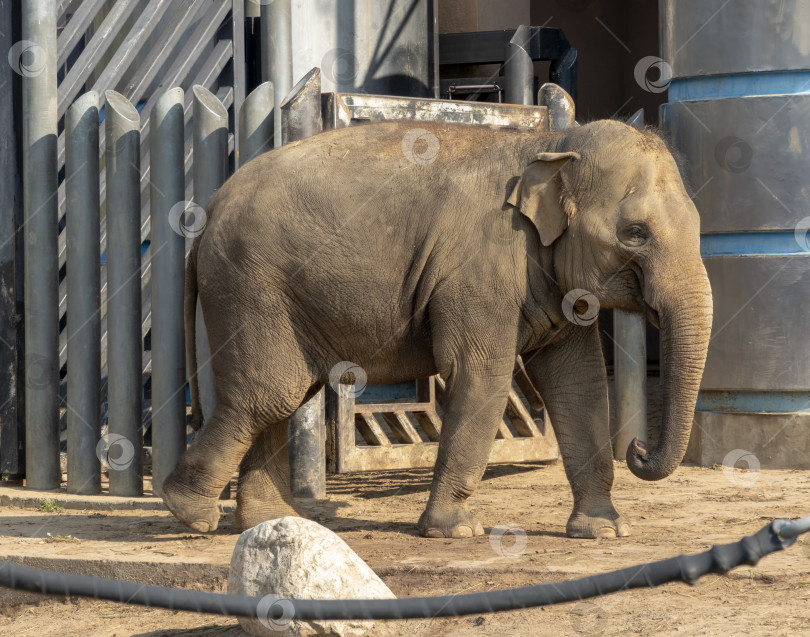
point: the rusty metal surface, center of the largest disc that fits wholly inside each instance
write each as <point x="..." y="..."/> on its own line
<point x="345" y="109"/>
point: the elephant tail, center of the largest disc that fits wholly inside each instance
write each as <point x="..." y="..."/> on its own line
<point x="190" y="320"/>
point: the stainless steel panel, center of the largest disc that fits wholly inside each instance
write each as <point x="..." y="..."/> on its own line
<point x="761" y="323"/>
<point x="708" y="37"/>
<point x="748" y="159"/>
<point x="343" y="109"/>
<point x="377" y="47"/>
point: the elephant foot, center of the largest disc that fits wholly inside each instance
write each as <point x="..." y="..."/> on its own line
<point x="198" y="513"/>
<point x="251" y="513"/>
<point x="601" y="523"/>
<point x="449" y="521"/>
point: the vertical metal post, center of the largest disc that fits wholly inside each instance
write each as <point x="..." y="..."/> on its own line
<point x="256" y="123"/>
<point x="37" y="63"/>
<point x="560" y="106"/>
<point x="210" y="172"/>
<point x="167" y="190"/>
<point x="84" y="291"/>
<point x="12" y="373"/>
<point x="124" y="340"/>
<point x="301" y="110"/>
<point x="630" y="366"/>
<point x="518" y="69"/>
<point x="276" y="39"/>
<point x="301" y="118"/>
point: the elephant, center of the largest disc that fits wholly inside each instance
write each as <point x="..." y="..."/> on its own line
<point x="421" y="248"/>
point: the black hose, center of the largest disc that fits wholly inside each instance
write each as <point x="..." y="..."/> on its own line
<point x="686" y="568"/>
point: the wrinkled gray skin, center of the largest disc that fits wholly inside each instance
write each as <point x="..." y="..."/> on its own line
<point x="341" y="248"/>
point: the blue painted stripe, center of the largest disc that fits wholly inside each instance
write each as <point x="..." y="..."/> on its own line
<point x="753" y="244"/>
<point x="386" y="393"/>
<point x="753" y="401"/>
<point x="712" y="87"/>
<point x="144" y="248"/>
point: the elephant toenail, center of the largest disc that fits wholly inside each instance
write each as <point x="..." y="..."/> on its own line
<point x="434" y="533"/>
<point x="200" y="526"/>
<point x="606" y="532"/>
<point x="462" y="530"/>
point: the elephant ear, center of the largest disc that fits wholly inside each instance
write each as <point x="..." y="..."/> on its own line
<point x="537" y="195"/>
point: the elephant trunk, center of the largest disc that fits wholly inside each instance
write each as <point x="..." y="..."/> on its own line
<point x="685" y="322"/>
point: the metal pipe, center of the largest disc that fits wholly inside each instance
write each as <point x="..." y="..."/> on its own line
<point x="630" y="366"/>
<point x="301" y="118"/>
<point x="124" y="343"/>
<point x="256" y="123"/>
<point x="167" y="190"/>
<point x="560" y="105"/>
<point x="518" y="69"/>
<point x="301" y="110"/>
<point x="84" y="291"/>
<point x="307" y="448"/>
<point x="37" y="64"/>
<point x="210" y="161"/>
<point x="276" y="45"/>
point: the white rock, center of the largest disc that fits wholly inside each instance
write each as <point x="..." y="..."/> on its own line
<point x="296" y="558"/>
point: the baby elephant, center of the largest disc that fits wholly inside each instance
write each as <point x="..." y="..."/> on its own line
<point x="442" y="249"/>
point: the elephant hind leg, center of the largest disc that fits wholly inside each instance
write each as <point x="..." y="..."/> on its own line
<point x="264" y="480"/>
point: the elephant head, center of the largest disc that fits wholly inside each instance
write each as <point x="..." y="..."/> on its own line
<point x="610" y="202"/>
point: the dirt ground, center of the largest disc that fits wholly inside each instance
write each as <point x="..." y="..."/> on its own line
<point x="376" y="513"/>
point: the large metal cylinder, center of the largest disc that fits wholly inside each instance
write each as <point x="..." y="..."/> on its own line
<point x="740" y="111"/>
<point x="210" y="148"/>
<point x="37" y="64"/>
<point x="374" y="47"/>
<point x="124" y="443"/>
<point x="166" y="200"/>
<point x="306" y="440"/>
<point x="84" y="290"/>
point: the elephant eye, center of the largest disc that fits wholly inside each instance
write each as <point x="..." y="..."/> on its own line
<point x="634" y="235"/>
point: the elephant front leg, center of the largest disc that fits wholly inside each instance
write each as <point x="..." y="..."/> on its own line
<point x="474" y="406"/>
<point x="570" y="376"/>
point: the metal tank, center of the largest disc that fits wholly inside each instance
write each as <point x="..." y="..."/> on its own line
<point x="739" y="110"/>
<point x="384" y="47"/>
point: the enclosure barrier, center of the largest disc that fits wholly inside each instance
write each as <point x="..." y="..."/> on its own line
<point x="630" y="366"/>
<point x="174" y="222"/>
<point x="84" y="290"/>
<point x="124" y="345"/>
<point x="776" y="536"/>
<point x="39" y="99"/>
<point x="168" y="275"/>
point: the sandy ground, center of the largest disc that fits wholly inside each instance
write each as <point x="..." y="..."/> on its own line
<point x="376" y="513"/>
